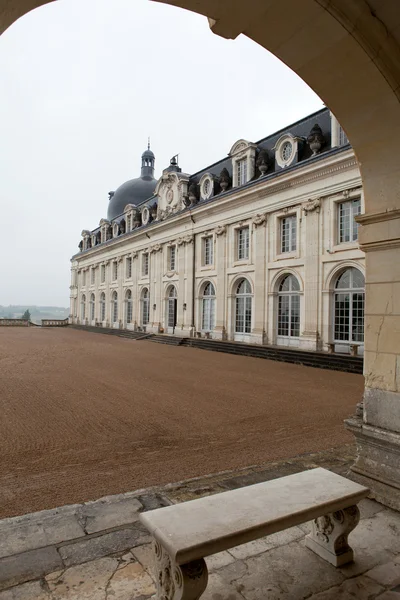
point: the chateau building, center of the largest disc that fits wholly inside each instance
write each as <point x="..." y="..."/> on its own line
<point x="260" y="247"/>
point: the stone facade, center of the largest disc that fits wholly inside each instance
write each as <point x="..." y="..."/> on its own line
<point x="248" y="249"/>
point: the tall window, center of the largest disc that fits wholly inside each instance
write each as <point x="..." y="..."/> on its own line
<point x="172" y="258"/>
<point x="348" y="228"/>
<point x="343" y="139"/>
<point x="103" y="273"/>
<point x="243" y="307"/>
<point x="208" y="250"/>
<point x="83" y="307"/>
<point x="145" y="263"/>
<point x="92" y="275"/>
<point x="288" y="234"/>
<point x="115" y="271"/>
<point x="128" y="267"/>
<point x="84" y="277"/>
<point x="114" y="307"/>
<point x="145" y="306"/>
<point x="289" y="307"/>
<point x="103" y="307"/>
<point x="92" y="307"/>
<point x="208" y="308"/>
<point x="349" y="306"/>
<point x="242" y="171"/>
<point x="128" y="306"/>
<point x="243" y="239"/>
<point x="172" y="306"/>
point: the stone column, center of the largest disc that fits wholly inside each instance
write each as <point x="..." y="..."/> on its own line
<point x="377" y="424"/>
<point x="259" y="258"/>
<point x="156" y="286"/>
<point x="107" y="292"/>
<point x="310" y="334"/>
<point x="220" y="267"/>
<point x="120" y="291"/>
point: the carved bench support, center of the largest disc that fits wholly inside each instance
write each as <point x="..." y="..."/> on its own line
<point x="178" y="582"/>
<point x="329" y="536"/>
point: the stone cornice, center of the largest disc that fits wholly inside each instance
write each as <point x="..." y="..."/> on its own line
<point x="370" y="218"/>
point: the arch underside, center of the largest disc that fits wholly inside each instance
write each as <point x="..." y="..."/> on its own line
<point x="348" y="52"/>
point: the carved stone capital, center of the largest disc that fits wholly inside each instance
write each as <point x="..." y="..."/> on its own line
<point x="220" y="230"/>
<point x="259" y="220"/>
<point x="155" y="248"/>
<point x="311" y="205"/>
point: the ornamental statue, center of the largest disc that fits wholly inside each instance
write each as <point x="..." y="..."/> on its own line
<point x="153" y="211"/>
<point x="224" y="179"/>
<point x="122" y="226"/>
<point x="193" y="194"/>
<point x="137" y="221"/>
<point x="316" y="139"/>
<point x="262" y="162"/>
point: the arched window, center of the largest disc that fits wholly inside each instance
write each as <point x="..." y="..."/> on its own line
<point x="92" y="306"/>
<point x="349" y="306"/>
<point x="128" y="299"/>
<point x="103" y="307"/>
<point x="83" y="307"/>
<point x="243" y="307"/>
<point x="145" y="300"/>
<point x="289" y="307"/>
<point x="172" y="303"/>
<point x="208" y="307"/>
<point x="114" y="306"/>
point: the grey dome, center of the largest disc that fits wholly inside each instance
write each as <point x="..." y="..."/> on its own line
<point x="134" y="191"/>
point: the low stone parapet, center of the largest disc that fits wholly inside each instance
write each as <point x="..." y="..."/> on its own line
<point x="14" y="323"/>
<point x="54" y="322"/>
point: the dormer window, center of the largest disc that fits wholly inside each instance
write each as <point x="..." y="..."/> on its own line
<point x="115" y="229"/>
<point x="242" y="171"/>
<point x="243" y="155"/>
<point x="206" y="184"/>
<point x="286" y="150"/>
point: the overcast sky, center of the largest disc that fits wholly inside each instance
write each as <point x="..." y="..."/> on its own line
<point x="84" y="83"/>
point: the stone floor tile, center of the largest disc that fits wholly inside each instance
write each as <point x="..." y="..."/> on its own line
<point x="267" y="543"/>
<point x="217" y="561"/>
<point x="218" y="589"/>
<point x="88" y="581"/>
<point x="27" y="591"/>
<point x="360" y="588"/>
<point x="90" y="549"/>
<point x="144" y="555"/>
<point x="27" y="566"/>
<point x="112" y="511"/>
<point x="387" y="574"/>
<point x="374" y="541"/>
<point x="131" y="581"/>
<point x="369" y="508"/>
<point x="289" y="572"/>
<point x="40" y="529"/>
<point x="389" y="596"/>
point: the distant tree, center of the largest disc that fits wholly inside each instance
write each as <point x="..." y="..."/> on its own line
<point x="27" y="315"/>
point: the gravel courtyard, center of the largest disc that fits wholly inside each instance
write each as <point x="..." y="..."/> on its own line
<point x="83" y="415"/>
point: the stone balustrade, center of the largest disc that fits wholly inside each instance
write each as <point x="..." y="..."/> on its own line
<point x="14" y="323"/>
<point x="54" y="322"/>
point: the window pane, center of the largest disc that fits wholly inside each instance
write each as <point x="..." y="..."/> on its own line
<point x="289" y="234"/>
<point x="243" y="239"/>
<point x="342" y="316"/>
<point x="283" y="315"/>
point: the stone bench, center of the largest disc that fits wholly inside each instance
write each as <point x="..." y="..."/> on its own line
<point x="183" y="534"/>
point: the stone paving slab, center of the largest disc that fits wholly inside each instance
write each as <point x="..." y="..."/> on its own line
<point x="111" y="558"/>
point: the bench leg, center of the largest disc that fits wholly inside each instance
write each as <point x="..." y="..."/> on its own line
<point x="178" y="582"/>
<point x="329" y="536"/>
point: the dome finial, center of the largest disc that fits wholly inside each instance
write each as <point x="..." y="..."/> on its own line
<point x="148" y="143"/>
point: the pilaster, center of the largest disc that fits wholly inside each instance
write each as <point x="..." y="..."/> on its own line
<point x="310" y="334"/>
<point x="259" y="253"/>
<point x="221" y="291"/>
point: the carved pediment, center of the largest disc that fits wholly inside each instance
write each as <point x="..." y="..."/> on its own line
<point x="171" y="190"/>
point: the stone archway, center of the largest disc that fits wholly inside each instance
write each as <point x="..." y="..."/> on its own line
<point x="348" y="52"/>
